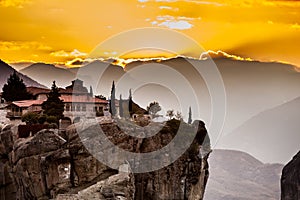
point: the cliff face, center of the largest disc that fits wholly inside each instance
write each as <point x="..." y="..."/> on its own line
<point x="52" y="165"/>
<point x="245" y="177"/>
<point x="290" y="179"/>
<point x="7" y="185"/>
<point x="184" y="179"/>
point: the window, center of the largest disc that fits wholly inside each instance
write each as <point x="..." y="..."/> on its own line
<point x="78" y="107"/>
<point x="83" y="107"/>
<point x="68" y="107"/>
<point x="100" y="111"/>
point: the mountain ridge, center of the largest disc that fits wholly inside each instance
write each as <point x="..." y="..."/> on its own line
<point x="277" y="127"/>
<point x="6" y="70"/>
<point x="47" y="73"/>
<point x="236" y="175"/>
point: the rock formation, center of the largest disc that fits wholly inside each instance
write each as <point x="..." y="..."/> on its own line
<point x="238" y="175"/>
<point x="290" y="179"/>
<point x="55" y="165"/>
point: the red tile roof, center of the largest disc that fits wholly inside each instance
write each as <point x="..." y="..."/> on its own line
<point x="81" y="99"/>
<point x="65" y="98"/>
<point x="27" y="103"/>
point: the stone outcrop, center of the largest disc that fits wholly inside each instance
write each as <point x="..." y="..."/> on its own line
<point x="119" y="187"/>
<point x="7" y="184"/>
<point x="45" y="165"/>
<point x="52" y="165"/>
<point x="185" y="178"/>
<point x="290" y="179"/>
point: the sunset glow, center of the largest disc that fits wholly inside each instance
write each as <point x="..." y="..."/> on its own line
<point x="61" y="31"/>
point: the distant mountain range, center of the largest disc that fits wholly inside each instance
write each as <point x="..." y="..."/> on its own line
<point x="100" y="75"/>
<point x="272" y="135"/>
<point x="251" y="88"/>
<point x="47" y="73"/>
<point x="6" y="71"/>
<point x="236" y="175"/>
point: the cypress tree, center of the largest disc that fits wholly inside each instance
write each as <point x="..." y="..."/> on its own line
<point x="54" y="106"/>
<point x="121" y="112"/>
<point x="190" y="116"/>
<point x="130" y="102"/>
<point x="91" y="91"/>
<point x="112" y="106"/>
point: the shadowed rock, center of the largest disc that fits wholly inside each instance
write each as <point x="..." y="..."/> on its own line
<point x="290" y="179"/>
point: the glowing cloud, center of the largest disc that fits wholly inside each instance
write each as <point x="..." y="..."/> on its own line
<point x="256" y="29"/>
<point x="205" y="2"/>
<point x="19" y="45"/>
<point x="165" y="0"/>
<point x="221" y="54"/>
<point x="295" y="26"/>
<point x="179" y="25"/>
<point x="75" y="53"/>
<point x="13" y="3"/>
<point x="168" y="8"/>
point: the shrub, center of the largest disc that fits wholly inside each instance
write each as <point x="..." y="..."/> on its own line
<point x="53" y="126"/>
<point x="30" y="118"/>
<point x="42" y="119"/>
<point x="52" y="119"/>
<point x="24" y="130"/>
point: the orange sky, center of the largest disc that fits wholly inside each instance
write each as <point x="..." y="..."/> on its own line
<point x="63" y="30"/>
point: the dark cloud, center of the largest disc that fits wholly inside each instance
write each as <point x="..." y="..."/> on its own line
<point x="76" y="62"/>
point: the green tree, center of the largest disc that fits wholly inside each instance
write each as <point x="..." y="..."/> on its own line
<point x="170" y="114"/>
<point x="54" y="106"/>
<point x="178" y="116"/>
<point x="30" y="118"/>
<point x="51" y="119"/>
<point x="190" y="116"/>
<point x="112" y="105"/>
<point x="15" y="89"/>
<point x="153" y="108"/>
